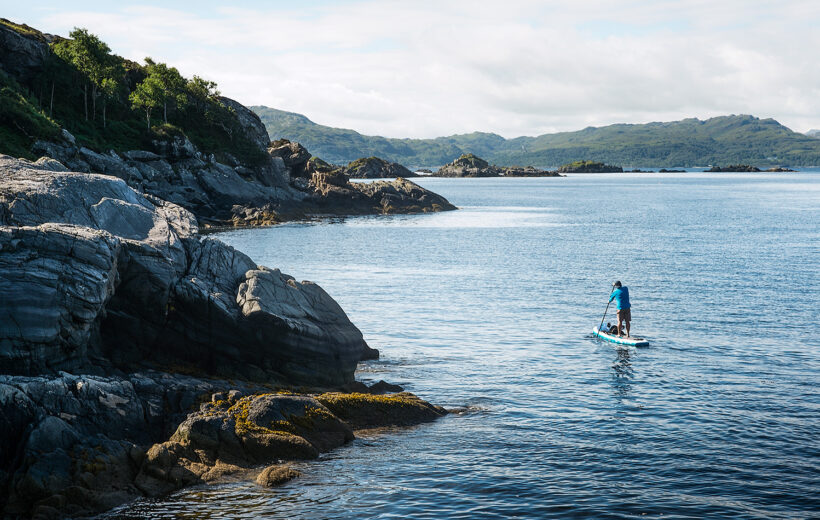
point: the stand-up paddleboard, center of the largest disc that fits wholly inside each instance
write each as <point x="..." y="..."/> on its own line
<point x="631" y="341"/>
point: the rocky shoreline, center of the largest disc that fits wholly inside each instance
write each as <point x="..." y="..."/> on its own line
<point x="138" y="356"/>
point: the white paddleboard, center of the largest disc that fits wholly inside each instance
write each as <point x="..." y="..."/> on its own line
<point x="621" y="340"/>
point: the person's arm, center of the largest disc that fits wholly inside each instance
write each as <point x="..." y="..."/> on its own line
<point x="612" y="296"/>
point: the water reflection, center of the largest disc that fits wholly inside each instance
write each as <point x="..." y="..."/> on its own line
<point x="623" y="373"/>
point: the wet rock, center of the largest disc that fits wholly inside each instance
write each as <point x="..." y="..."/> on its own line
<point x="255" y="430"/>
<point x="383" y="387"/>
<point x="276" y="475"/>
<point x="374" y="411"/>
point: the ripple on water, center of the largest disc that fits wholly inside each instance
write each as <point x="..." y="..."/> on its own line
<point x="489" y="309"/>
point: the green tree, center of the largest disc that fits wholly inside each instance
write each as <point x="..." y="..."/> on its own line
<point x="147" y="96"/>
<point x="171" y="84"/>
<point x="92" y="58"/>
<point x="201" y="92"/>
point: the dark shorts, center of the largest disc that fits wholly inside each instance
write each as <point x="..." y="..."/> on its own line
<point x="624" y="315"/>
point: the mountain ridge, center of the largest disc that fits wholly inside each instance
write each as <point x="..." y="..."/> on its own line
<point x="685" y="143"/>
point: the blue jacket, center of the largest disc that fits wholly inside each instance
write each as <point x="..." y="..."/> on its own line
<point x="621" y="297"/>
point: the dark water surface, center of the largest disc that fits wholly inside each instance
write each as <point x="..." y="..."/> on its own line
<point x="491" y="308"/>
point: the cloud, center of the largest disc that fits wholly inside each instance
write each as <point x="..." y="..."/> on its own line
<point x="423" y="69"/>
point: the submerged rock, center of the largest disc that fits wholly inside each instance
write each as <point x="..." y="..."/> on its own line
<point x="276" y="475"/>
<point x="96" y="275"/>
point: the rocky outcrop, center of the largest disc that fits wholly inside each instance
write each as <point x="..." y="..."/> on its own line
<point x="398" y="196"/>
<point x="468" y="165"/>
<point x="294" y="156"/>
<point x="734" y="168"/>
<point x="73" y="445"/>
<point x="22" y="50"/>
<point x="780" y="169"/>
<point x="229" y="436"/>
<point x="97" y="276"/>
<point x="376" y="168"/>
<point x="527" y="171"/>
<point x="589" y="167"/>
<point x="76" y="445"/>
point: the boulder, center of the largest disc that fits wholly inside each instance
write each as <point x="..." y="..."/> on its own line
<point x="276" y="475"/>
<point x="294" y="155"/>
<point x="376" y="168"/>
<point x="97" y="275"/>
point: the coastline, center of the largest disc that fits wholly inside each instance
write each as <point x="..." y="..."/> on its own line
<point x="121" y="321"/>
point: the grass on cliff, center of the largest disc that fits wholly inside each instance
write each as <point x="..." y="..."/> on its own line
<point x="21" y="121"/>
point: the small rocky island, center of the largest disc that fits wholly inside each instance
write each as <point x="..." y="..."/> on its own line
<point x="376" y="168"/>
<point x="589" y="167"/>
<point x="469" y="165"/>
<point x="737" y="168"/>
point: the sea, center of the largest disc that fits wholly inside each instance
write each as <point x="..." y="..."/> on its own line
<point x="488" y="310"/>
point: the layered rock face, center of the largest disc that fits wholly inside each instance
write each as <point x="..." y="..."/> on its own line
<point x="376" y="168"/>
<point x="96" y="275"/>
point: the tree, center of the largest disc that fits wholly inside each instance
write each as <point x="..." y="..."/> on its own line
<point x="147" y="96"/>
<point x="91" y="56"/>
<point x="171" y="85"/>
<point x="201" y="92"/>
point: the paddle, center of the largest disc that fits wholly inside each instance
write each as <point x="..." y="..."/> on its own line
<point x="606" y="310"/>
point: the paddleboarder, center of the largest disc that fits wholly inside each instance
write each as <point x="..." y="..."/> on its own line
<point x="621" y="296"/>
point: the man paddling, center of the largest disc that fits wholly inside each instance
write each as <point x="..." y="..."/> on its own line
<point x="621" y="296"/>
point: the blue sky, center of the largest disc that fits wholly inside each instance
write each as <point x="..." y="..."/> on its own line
<point x="521" y="67"/>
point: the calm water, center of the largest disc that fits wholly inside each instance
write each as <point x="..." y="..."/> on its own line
<point x="490" y="307"/>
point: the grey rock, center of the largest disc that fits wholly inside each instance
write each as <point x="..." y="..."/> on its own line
<point x="141" y="155"/>
<point x="251" y="124"/>
<point x="96" y="275"/>
<point x="68" y="137"/>
<point x="21" y="56"/>
<point x="293" y="155"/>
<point x="47" y="163"/>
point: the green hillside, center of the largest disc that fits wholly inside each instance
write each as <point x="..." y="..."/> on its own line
<point x="690" y="142"/>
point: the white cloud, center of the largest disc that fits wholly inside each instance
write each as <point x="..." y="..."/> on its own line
<point x="423" y="69"/>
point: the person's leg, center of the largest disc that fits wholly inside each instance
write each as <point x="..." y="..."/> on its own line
<point x="627" y="319"/>
<point x="620" y="320"/>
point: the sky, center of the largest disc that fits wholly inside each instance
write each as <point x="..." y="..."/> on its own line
<point x="515" y="67"/>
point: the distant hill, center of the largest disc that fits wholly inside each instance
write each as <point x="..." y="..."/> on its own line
<point x="691" y="142"/>
<point x="814" y="133"/>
